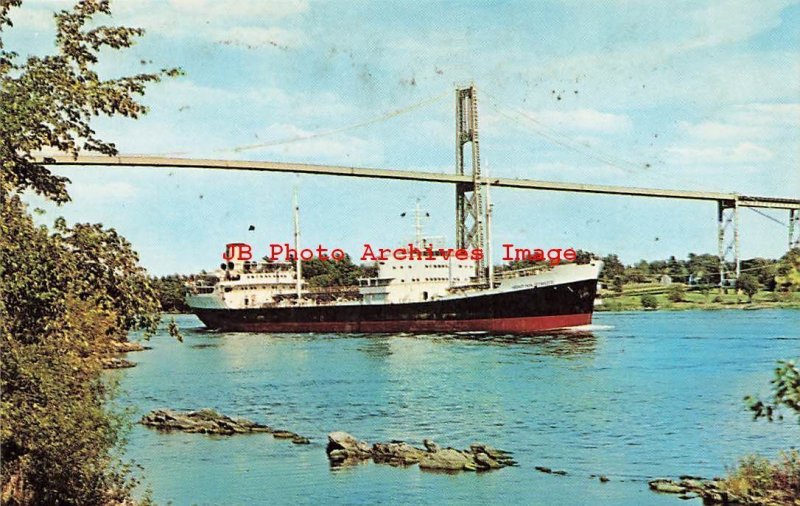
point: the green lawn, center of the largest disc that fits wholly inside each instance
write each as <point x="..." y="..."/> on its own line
<point x="630" y="299"/>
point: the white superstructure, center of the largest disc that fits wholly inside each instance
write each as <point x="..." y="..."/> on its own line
<point x="238" y="285"/>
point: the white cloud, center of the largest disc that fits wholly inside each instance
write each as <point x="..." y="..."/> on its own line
<point x="584" y="120"/>
<point x="747" y="123"/>
<point x="715" y="131"/>
<point x="293" y="143"/>
<point x="729" y="21"/>
<point x="745" y="152"/>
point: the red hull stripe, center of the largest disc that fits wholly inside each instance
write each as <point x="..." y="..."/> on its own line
<point x="507" y="325"/>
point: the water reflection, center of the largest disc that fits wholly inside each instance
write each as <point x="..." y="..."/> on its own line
<point x="557" y="344"/>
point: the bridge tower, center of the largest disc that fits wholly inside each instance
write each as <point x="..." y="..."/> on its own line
<point x="794" y="228"/>
<point x="470" y="200"/>
<point x="728" y="240"/>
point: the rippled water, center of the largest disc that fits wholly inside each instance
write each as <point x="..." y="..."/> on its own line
<point x="644" y="395"/>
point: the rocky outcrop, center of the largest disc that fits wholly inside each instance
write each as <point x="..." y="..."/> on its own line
<point x="204" y="421"/>
<point x="710" y="491"/>
<point x="397" y="453"/>
<point x="116" y="363"/>
<point x="447" y="459"/>
<point x="343" y="448"/>
<point x="127" y="346"/>
<point x="295" y="438"/>
<point x="108" y="360"/>
<point x="208" y="421"/>
<point x="543" y="469"/>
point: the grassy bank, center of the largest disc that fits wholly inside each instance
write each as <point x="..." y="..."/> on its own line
<point x="631" y="300"/>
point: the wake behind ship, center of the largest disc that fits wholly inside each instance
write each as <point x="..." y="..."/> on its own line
<point x="441" y="295"/>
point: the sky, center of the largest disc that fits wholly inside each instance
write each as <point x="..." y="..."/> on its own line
<point x="700" y="95"/>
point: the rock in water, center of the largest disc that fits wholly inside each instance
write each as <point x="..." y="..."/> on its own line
<point x="484" y="461"/>
<point x="295" y="438"/>
<point x="430" y="445"/>
<point x="396" y="453"/>
<point x="709" y="490"/>
<point x="342" y="447"/>
<point x="116" y="363"/>
<point x="666" y="486"/>
<point x="204" y="421"/>
<point x="447" y="459"/>
<point x="300" y="440"/>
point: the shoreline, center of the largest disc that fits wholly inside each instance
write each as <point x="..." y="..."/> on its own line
<point x="691" y="306"/>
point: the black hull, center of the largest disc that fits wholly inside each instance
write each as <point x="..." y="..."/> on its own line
<point x="519" y="311"/>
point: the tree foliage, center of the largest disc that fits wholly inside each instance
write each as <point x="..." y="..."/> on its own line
<point x="171" y="292"/>
<point x="67" y="294"/>
<point x="59" y="312"/>
<point x="788" y="271"/>
<point x="676" y="292"/>
<point x="785" y="393"/>
<point x="649" y="301"/>
<point x="48" y="102"/>
<point x="748" y="284"/>
<point x="612" y="267"/>
<point x="328" y="273"/>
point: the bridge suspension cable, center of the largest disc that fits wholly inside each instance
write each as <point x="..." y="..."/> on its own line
<point x="514" y="114"/>
<point x="765" y="215"/>
<point x="383" y="117"/>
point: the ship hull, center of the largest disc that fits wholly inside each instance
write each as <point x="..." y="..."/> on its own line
<point x="526" y="310"/>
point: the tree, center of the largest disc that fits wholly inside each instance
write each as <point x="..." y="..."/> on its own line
<point x="705" y="267"/>
<point x="612" y="267"/>
<point x="764" y="269"/>
<point x="676" y="268"/>
<point x="47" y="102"/>
<point x="67" y="294"/>
<point x="635" y="275"/>
<point x="676" y="292"/>
<point x="788" y="272"/>
<point x="649" y="301"/>
<point x="171" y="292"/>
<point x="330" y="272"/>
<point x="748" y="284"/>
<point x="785" y="393"/>
<point x="619" y="284"/>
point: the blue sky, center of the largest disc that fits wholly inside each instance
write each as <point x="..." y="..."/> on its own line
<point x="688" y="95"/>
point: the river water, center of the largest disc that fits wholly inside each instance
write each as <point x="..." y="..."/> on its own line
<point x="645" y="394"/>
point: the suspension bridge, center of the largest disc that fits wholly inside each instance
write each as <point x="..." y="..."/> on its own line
<point x="472" y="211"/>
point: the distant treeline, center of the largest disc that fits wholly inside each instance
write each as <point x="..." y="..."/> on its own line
<point x="703" y="269"/>
<point x="782" y="274"/>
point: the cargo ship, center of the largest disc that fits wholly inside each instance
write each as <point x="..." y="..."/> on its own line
<point x="404" y="296"/>
<point x="440" y="293"/>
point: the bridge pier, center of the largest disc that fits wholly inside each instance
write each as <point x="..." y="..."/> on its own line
<point x="794" y="228"/>
<point x="728" y="240"/>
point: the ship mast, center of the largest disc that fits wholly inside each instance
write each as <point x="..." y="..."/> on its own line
<point x="298" y="266"/>
<point x="417" y="225"/>
<point x="489" y="209"/>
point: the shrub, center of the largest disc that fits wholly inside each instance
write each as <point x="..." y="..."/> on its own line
<point x="766" y="482"/>
<point x="748" y="284"/>
<point x="649" y="301"/>
<point x="676" y="292"/>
